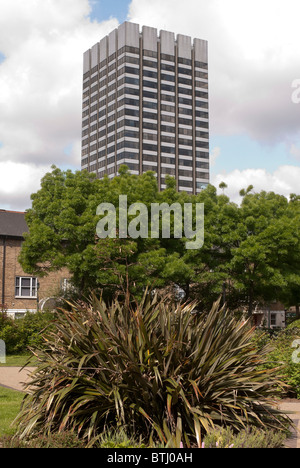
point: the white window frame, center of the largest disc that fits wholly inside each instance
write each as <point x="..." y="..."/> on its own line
<point x="32" y="287"/>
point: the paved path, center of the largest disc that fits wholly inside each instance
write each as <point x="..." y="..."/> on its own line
<point x="15" y="377"/>
<point x="292" y="408"/>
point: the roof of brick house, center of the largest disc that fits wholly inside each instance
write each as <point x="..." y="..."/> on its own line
<point x="12" y="224"/>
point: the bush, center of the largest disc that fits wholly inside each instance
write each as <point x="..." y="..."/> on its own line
<point x="219" y="438"/>
<point x="59" y="440"/>
<point x="118" y="439"/>
<point x="24" y="332"/>
<point x="155" y="368"/>
<point x="294" y="324"/>
<point x="281" y="355"/>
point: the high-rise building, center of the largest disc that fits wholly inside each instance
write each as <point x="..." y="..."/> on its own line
<point x="145" y="104"/>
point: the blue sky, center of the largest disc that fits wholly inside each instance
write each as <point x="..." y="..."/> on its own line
<point x="241" y="152"/>
<point x="105" y="9"/>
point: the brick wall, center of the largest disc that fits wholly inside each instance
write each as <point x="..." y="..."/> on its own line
<point x="49" y="285"/>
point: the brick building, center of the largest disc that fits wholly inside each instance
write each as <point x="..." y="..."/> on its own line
<point x="20" y="292"/>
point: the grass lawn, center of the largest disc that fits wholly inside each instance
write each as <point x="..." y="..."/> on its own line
<point x="10" y="403"/>
<point x="15" y="361"/>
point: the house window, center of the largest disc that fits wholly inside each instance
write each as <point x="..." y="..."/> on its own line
<point x="273" y="320"/>
<point x="26" y="287"/>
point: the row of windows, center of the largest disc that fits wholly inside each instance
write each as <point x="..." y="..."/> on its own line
<point x="150" y="95"/>
<point x="186" y="183"/>
<point x="149" y="126"/>
<point x="183" y="151"/>
<point x="134" y="166"/>
<point x="146" y="53"/>
<point x="147" y="147"/>
<point x="164" y="87"/>
<point x="148" y="157"/>
<point x="111" y="170"/>
<point x="189" y="163"/>
<point x="149" y="104"/>
<point x="164" y="149"/>
<point x="150" y="137"/>
<point x="184" y="173"/>
<point x="110" y="125"/>
<point x="146" y="83"/>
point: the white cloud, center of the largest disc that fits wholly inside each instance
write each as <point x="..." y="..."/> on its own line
<point x="253" y="59"/>
<point x="284" y="181"/>
<point x="214" y="154"/>
<point x="17" y="182"/>
<point x="41" y="84"/>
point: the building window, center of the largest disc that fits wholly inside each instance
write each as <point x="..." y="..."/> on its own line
<point x="150" y="84"/>
<point x="150" y="74"/>
<point x="185" y="183"/>
<point x="26" y="287"/>
<point x="166" y="77"/>
<point x="186" y="162"/>
<point x="165" y="66"/>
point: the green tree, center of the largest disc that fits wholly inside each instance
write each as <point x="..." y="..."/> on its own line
<point x="250" y="255"/>
<point x="290" y="295"/>
<point x="266" y="251"/>
<point x="62" y="233"/>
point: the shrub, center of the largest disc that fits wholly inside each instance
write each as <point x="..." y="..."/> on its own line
<point x="281" y="355"/>
<point x="24" y="332"/>
<point x="10" y="333"/>
<point x="150" y="368"/>
<point x="294" y="325"/>
<point x="31" y="326"/>
<point x="59" y="440"/>
<point x="118" y="439"/>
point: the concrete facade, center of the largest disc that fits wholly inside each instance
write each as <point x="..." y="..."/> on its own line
<point x="145" y="104"/>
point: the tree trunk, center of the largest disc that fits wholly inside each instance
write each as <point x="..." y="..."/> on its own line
<point x="251" y="301"/>
<point x="187" y="290"/>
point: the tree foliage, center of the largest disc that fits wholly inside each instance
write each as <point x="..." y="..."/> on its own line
<point x="250" y="254"/>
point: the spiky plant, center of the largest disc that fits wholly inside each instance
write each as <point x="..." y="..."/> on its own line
<point x="155" y="368"/>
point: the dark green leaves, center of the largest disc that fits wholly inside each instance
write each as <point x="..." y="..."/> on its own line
<point x="156" y="368"/>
